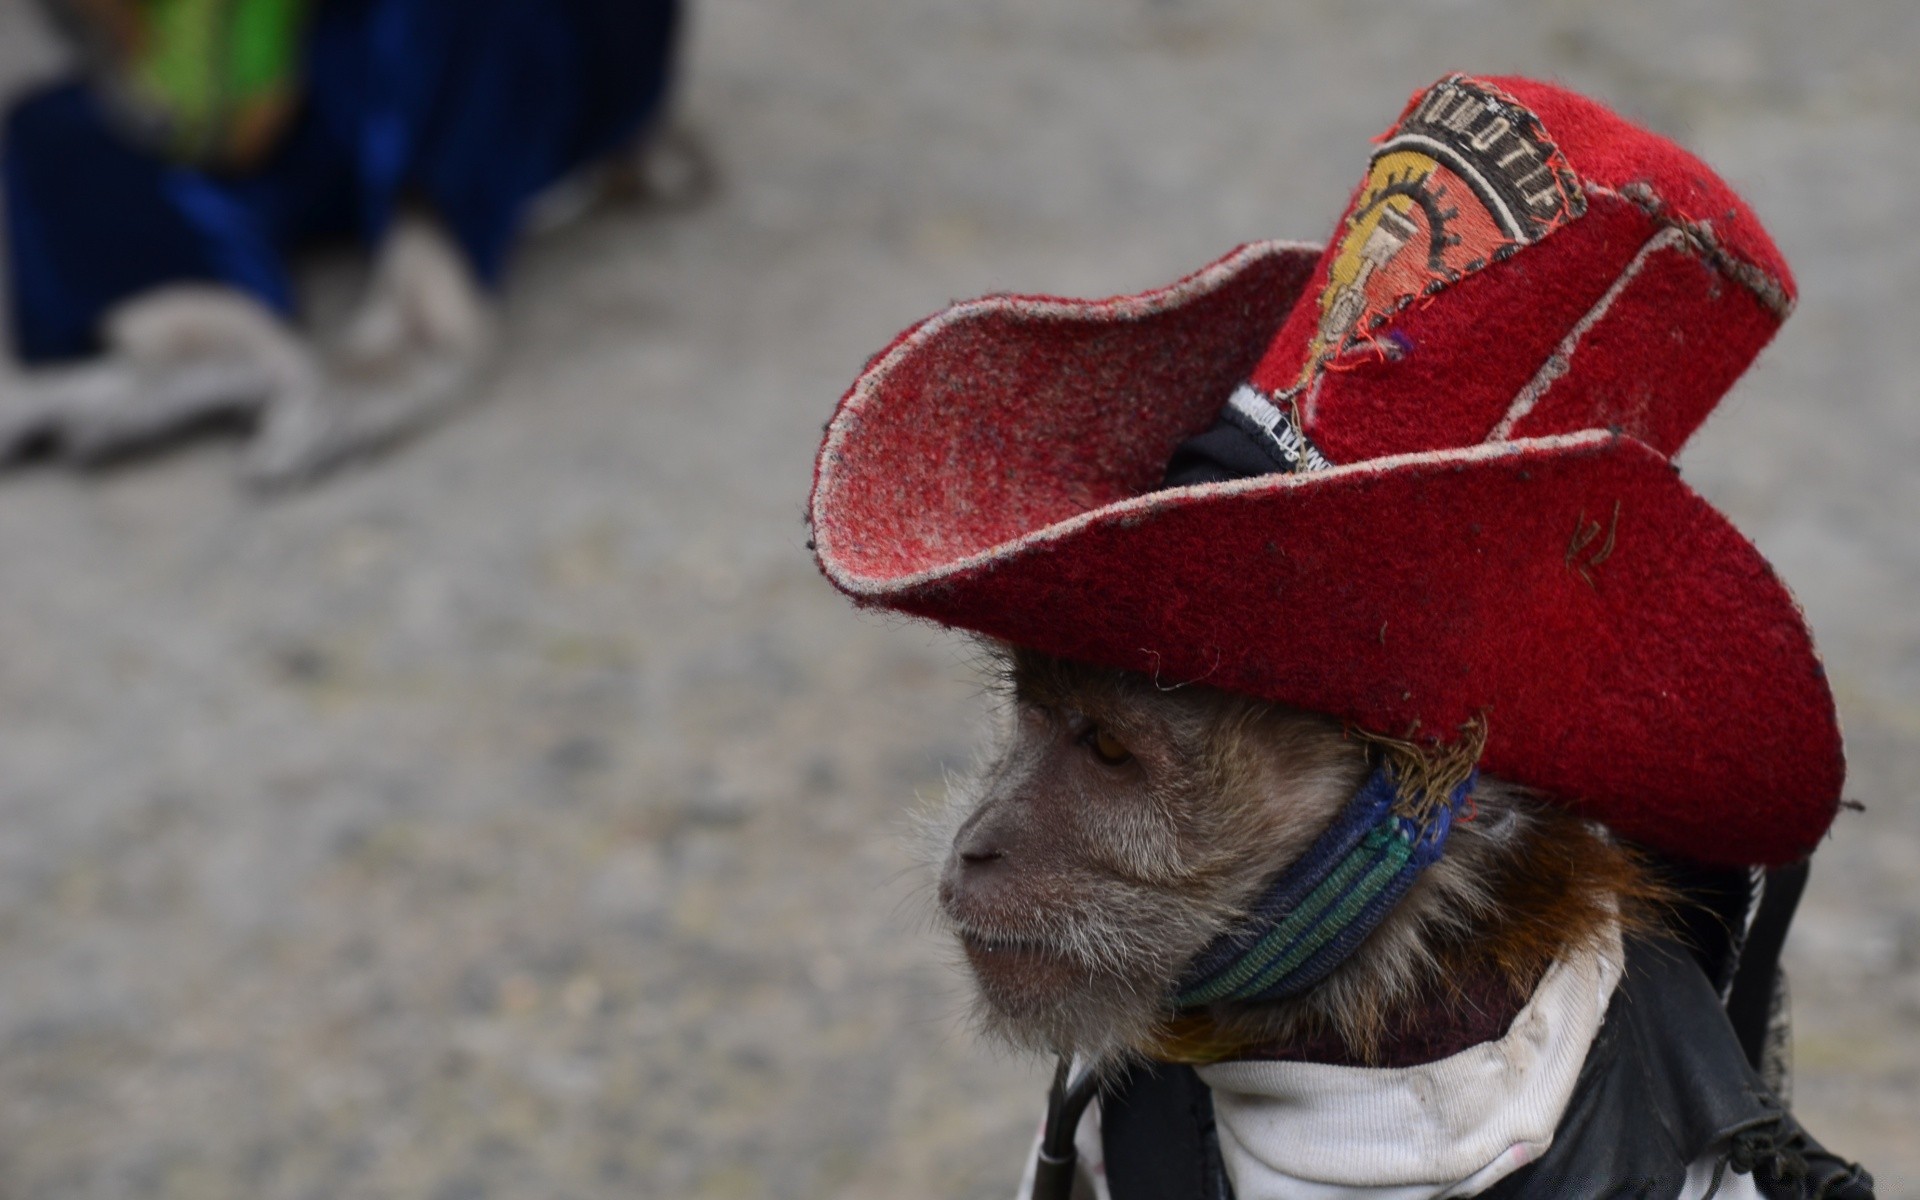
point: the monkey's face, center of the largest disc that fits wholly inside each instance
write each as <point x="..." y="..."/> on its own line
<point x="1119" y="828"/>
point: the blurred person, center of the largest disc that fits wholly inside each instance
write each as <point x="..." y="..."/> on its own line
<point x="153" y="199"/>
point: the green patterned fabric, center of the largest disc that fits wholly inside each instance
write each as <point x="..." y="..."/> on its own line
<point x="1327" y="910"/>
<point x="1329" y="900"/>
<point x="210" y="81"/>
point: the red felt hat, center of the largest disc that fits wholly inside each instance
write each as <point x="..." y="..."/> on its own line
<point x="1528" y="307"/>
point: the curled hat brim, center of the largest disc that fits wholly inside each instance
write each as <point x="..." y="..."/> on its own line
<point x="1630" y="652"/>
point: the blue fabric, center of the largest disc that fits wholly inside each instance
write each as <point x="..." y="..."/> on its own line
<point x="1328" y="901"/>
<point x="472" y="106"/>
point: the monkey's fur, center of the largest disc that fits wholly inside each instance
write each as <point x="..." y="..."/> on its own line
<point x="1080" y="888"/>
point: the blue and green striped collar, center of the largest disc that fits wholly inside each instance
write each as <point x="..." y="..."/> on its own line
<point x="1324" y="905"/>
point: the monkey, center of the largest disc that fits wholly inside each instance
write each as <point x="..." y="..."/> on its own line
<point x="1498" y="922"/>
<point x="1120" y="826"/>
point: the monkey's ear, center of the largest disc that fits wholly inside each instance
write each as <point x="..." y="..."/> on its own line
<point x="1044" y="681"/>
<point x="996" y="663"/>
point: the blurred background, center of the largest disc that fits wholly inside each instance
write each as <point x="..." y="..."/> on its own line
<point x="520" y="814"/>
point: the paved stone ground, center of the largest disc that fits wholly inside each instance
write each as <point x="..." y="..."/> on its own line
<point x="521" y="816"/>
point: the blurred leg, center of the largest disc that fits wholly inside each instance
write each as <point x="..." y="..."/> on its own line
<point x="92" y="222"/>
<point x="179" y="357"/>
<point x="147" y="297"/>
<point x="410" y="355"/>
<point x="176" y="358"/>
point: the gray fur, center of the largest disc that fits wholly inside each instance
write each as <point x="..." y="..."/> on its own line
<point x="1259" y="784"/>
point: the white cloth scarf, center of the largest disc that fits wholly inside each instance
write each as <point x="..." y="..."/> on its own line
<point x="1450" y="1128"/>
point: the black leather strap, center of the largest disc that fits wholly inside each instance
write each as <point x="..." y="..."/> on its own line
<point x="1157" y="1131"/>
<point x="1750" y="999"/>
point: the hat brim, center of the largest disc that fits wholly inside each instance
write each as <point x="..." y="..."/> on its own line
<point x="1630" y="652"/>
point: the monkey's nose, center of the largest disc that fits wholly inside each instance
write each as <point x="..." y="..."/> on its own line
<point x="983" y="840"/>
<point x="972" y="875"/>
<point x="980" y="845"/>
<point x="972" y="872"/>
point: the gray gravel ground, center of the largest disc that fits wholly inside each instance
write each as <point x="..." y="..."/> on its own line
<point x="522" y="817"/>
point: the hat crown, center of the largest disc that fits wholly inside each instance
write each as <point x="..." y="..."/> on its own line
<point x="1521" y="262"/>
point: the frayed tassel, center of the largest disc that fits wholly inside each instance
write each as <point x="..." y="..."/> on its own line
<point x="1427" y="774"/>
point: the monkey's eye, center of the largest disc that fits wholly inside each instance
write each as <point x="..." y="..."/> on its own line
<point x="1106" y="747"/>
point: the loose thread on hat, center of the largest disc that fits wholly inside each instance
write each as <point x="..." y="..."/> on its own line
<point x="1299" y="426"/>
<point x="1584" y="532"/>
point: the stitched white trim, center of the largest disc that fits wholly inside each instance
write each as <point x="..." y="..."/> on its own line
<point x="1768" y="289"/>
<point x="1279" y="426"/>
<point x="1561" y="359"/>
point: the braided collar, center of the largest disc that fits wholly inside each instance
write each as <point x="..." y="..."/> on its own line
<point x="1323" y="906"/>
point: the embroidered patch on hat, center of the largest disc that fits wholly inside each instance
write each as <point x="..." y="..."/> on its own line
<point x="1465" y="178"/>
